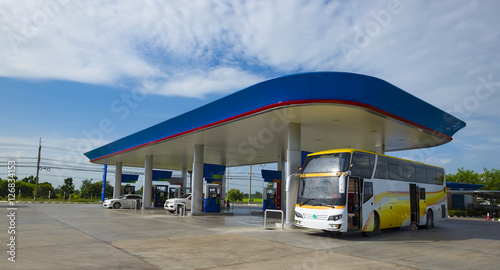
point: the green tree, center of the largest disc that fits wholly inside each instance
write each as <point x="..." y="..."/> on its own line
<point x="235" y="195"/>
<point x="97" y="187"/>
<point x="490" y="179"/>
<point x="464" y="176"/>
<point x="90" y="190"/>
<point x="29" y="179"/>
<point x="257" y="195"/>
<point x="44" y="188"/>
<point x="109" y="190"/>
<point x="68" y="187"/>
<point x="25" y="189"/>
<point x="4" y="188"/>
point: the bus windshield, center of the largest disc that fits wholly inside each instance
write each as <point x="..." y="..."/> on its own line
<point x="337" y="162"/>
<point x="320" y="191"/>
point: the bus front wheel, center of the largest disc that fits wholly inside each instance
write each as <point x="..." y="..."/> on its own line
<point x="376" y="226"/>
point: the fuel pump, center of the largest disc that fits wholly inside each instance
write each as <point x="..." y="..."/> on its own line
<point x="160" y="195"/>
<point x="211" y="200"/>
<point x="174" y="192"/>
<point x="269" y="198"/>
<point x="128" y="189"/>
<point x="271" y="195"/>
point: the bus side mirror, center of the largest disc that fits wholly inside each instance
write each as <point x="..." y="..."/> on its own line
<point x="342" y="183"/>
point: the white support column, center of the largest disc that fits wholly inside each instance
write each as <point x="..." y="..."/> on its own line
<point x="148" y="182"/>
<point x="118" y="180"/>
<point x="184" y="177"/>
<point x="197" y="188"/>
<point x="281" y="168"/>
<point x="293" y="157"/>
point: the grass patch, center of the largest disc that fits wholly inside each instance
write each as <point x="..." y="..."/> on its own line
<point x="254" y="201"/>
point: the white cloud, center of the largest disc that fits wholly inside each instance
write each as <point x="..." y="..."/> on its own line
<point x="64" y="42"/>
<point x="200" y="83"/>
<point x="438" y="161"/>
<point x="435" y="50"/>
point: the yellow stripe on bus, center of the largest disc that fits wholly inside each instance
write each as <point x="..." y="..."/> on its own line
<point x="318" y="174"/>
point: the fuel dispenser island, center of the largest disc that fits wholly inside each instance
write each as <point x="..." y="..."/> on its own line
<point x="160" y="192"/>
<point x="213" y="174"/>
<point x="271" y="195"/>
<point x="174" y="192"/>
<point x="160" y="195"/>
<point x="129" y="181"/>
<point x="211" y="200"/>
<point x="269" y="198"/>
<point x="128" y="190"/>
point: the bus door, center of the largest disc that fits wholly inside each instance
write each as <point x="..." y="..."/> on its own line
<point x="422" y="203"/>
<point x="367" y="208"/>
<point x="353" y="204"/>
<point x="414" y="206"/>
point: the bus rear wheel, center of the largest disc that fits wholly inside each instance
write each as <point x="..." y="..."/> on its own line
<point x="429" y="223"/>
<point x="376" y="227"/>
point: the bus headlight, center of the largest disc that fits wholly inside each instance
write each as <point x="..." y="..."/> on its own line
<point x="334" y="218"/>
<point x="299" y="215"/>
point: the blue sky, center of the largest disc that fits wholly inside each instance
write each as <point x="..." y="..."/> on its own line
<point x="67" y="66"/>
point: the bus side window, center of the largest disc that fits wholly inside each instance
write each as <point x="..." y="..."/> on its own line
<point x="422" y="193"/>
<point x="421" y="176"/>
<point x="431" y="175"/>
<point x="367" y="191"/>
<point x="395" y="170"/>
<point x="382" y="171"/>
<point x="362" y="164"/>
<point x="439" y="176"/>
<point x="408" y="171"/>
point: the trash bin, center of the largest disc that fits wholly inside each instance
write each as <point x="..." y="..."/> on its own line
<point x="138" y="204"/>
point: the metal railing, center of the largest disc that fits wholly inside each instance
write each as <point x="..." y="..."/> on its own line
<point x="181" y="209"/>
<point x="134" y="204"/>
<point x="277" y="211"/>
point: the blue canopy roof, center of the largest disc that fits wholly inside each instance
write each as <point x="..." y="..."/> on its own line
<point x="341" y="88"/>
<point x="463" y="186"/>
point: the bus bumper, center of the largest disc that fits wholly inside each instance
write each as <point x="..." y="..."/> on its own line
<point x="333" y="226"/>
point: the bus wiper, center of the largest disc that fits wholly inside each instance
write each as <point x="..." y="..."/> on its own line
<point x="302" y="203"/>
<point x="322" y="204"/>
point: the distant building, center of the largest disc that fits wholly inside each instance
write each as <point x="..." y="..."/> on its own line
<point x="462" y="196"/>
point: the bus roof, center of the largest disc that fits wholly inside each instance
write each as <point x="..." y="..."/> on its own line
<point x="351" y="150"/>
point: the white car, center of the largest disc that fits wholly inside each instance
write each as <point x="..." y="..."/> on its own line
<point x="124" y="201"/>
<point x="171" y="204"/>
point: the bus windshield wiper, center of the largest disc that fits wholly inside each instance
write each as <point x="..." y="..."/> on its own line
<point x="322" y="204"/>
<point x="302" y="203"/>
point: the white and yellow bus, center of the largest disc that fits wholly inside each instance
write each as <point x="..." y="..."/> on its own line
<point x="354" y="190"/>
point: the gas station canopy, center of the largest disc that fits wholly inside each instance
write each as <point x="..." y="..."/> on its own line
<point x="333" y="109"/>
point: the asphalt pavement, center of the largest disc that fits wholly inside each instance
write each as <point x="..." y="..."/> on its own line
<point x="87" y="236"/>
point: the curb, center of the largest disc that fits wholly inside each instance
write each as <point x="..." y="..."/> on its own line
<point x="493" y="219"/>
<point x="21" y="202"/>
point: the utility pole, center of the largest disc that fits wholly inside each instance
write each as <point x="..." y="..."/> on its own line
<point x="37" y="169"/>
